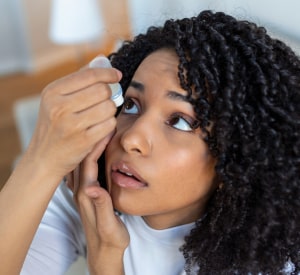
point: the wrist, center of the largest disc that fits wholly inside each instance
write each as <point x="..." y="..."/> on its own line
<point x="39" y="167"/>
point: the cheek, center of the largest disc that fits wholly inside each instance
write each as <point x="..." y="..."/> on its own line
<point x="191" y="169"/>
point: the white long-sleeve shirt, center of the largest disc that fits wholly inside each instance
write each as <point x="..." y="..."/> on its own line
<point x="60" y="240"/>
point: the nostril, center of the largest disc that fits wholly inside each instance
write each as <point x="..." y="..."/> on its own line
<point x="131" y="148"/>
<point x="135" y="147"/>
<point x="137" y="150"/>
<point x="135" y="140"/>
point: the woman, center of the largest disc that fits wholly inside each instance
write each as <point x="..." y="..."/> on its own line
<point x="203" y="164"/>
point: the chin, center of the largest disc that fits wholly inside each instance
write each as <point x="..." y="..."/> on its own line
<point x="126" y="208"/>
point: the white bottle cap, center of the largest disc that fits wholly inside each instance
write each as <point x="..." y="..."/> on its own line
<point x="116" y="89"/>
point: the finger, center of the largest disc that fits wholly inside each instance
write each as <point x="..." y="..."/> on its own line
<point x="71" y="125"/>
<point x="90" y="164"/>
<point x="101" y="198"/>
<point x="87" y="212"/>
<point x="83" y="202"/>
<point x="96" y="114"/>
<point x="99" y="148"/>
<point x="84" y="78"/>
<point x="109" y="228"/>
<point x="105" y="215"/>
<point x="89" y="126"/>
<point x="85" y="206"/>
<point x="89" y="174"/>
<point x="76" y="179"/>
<point x="102" y="129"/>
<point x="88" y="65"/>
<point x="69" y="181"/>
<point x="87" y="97"/>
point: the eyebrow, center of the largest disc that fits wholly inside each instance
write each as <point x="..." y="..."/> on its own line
<point x="171" y="94"/>
<point x="137" y="85"/>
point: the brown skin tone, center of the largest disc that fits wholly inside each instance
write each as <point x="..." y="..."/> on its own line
<point x="76" y="113"/>
<point x="155" y="142"/>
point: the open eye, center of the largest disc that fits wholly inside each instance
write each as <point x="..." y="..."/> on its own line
<point x="182" y="123"/>
<point x="129" y="106"/>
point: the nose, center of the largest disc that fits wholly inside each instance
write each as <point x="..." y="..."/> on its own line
<point x="136" y="139"/>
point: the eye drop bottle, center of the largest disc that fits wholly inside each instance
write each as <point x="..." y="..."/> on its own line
<point x="116" y="89"/>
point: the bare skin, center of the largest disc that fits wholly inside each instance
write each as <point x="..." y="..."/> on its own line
<point x="156" y="143"/>
<point x="160" y="151"/>
<point x="74" y="116"/>
<point x="152" y="138"/>
<point x="107" y="237"/>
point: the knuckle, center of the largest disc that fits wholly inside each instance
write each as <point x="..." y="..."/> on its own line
<point x="52" y="106"/>
<point x="112" y="123"/>
<point x="64" y="132"/>
<point x="56" y="112"/>
<point x="101" y="202"/>
<point x="76" y="127"/>
<point x="50" y="89"/>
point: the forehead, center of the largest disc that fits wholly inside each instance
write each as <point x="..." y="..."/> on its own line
<point x="163" y="60"/>
<point x="160" y="71"/>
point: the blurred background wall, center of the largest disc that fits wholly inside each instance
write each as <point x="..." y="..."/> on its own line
<point x="280" y="16"/>
<point x="29" y="60"/>
<point x="25" y="44"/>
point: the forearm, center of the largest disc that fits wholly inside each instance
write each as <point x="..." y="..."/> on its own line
<point x="23" y="201"/>
<point x="108" y="262"/>
<point x="71" y="122"/>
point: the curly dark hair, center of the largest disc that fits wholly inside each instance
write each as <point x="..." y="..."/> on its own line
<point x="245" y="89"/>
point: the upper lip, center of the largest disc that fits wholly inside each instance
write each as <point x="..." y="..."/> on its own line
<point x="127" y="169"/>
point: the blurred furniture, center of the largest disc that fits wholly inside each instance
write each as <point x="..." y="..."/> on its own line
<point x="25" y="114"/>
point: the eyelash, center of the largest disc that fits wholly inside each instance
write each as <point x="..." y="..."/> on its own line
<point x="193" y="124"/>
<point x="127" y="101"/>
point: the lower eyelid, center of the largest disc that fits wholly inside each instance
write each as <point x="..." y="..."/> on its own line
<point x="129" y="100"/>
<point x="173" y="125"/>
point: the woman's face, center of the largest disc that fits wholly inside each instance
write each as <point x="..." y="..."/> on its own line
<point x="157" y="166"/>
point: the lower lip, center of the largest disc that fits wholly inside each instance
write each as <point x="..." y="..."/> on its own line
<point x="126" y="182"/>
